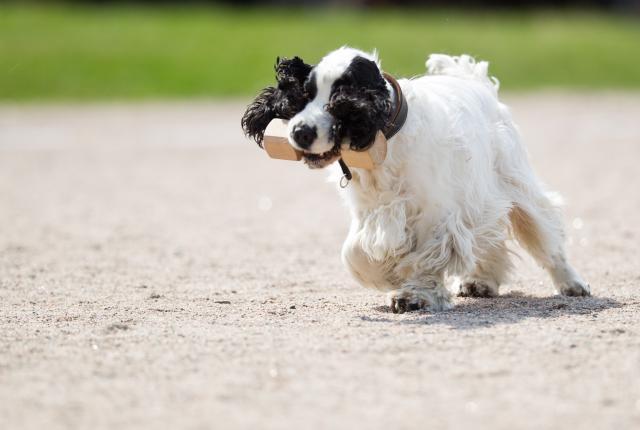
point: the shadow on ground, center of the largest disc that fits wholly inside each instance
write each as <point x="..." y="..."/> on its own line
<point x="512" y="308"/>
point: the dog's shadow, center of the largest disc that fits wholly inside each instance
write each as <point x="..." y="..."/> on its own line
<point x="512" y="308"/>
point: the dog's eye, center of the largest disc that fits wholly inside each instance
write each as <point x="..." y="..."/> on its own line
<point x="310" y="88"/>
<point x="344" y="81"/>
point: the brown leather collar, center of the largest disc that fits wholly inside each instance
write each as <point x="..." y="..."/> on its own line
<point x="399" y="115"/>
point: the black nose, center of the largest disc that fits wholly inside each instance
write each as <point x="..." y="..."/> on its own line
<point x="304" y="135"/>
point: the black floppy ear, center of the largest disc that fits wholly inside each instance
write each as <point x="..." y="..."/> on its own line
<point x="259" y="114"/>
<point x="359" y="114"/>
<point x="359" y="103"/>
<point x="291" y="75"/>
<point x="283" y="101"/>
<point x="291" y="71"/>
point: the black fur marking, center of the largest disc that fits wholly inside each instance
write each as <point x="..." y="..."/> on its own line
<point x="283" y="101"/>
<point x="360" y="104"/>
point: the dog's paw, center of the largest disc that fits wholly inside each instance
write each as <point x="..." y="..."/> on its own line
<point x="412" y="298"/>
<point x="400" y="305"/>
<point x="477" y="289"/>
<point x="575" y="288"/>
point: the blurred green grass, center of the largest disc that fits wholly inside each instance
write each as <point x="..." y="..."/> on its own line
<point x="75" y="53"/>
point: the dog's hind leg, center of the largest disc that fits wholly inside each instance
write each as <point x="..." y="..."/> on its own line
<point x="490" y="272"/>
<point x="537" y="225"/>
<point x="535" y="217"/>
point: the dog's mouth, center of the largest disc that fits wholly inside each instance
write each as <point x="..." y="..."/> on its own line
<point x="318" y="161"/>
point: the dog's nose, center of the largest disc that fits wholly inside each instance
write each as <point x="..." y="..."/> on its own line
<point x="304" y="135"/>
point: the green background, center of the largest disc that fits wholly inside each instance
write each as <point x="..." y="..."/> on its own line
<point x="124" y="52"/>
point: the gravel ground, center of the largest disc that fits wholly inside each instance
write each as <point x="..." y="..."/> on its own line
<point x="159" y="271"/>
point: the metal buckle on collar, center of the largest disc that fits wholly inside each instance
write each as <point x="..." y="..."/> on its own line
<point x="346" y="174"/>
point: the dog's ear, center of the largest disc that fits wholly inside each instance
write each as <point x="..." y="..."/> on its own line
<point x="291" y="75"/>
<point x="259" y="114"/>
<point x="292" y="71"/>
<point x="283" y="101"/>
<point x="358" y="115"/>
<point x="359" y="103"/>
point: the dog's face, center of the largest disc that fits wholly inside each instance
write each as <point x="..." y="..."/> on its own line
<point x="344" y="100"/>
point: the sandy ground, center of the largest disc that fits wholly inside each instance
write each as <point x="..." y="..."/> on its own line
<point x="158" y="271"/>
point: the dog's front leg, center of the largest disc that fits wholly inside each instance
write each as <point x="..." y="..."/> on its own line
<point x="419" y="275"/>
<point x="422" y="291"/>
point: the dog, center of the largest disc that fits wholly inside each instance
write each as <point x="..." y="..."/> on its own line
<point x="455" y="186"/>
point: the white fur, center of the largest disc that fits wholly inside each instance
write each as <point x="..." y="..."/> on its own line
<point x="455" y="185"/>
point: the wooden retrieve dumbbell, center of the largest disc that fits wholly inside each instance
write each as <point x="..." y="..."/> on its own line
<point x="277" y="145"/>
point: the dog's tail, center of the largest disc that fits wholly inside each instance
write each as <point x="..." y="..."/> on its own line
<point x="463" y="66"/>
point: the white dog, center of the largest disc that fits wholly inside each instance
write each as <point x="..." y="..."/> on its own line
<point x="455" y="185"/>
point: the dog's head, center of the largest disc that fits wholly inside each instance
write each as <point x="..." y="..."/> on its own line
<point x="344" y="100"/>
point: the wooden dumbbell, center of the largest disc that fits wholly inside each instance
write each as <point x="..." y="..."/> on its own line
<point x="277" y="146"/>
